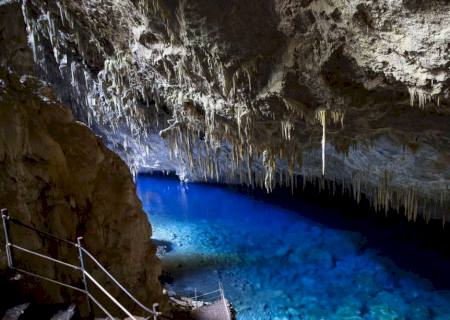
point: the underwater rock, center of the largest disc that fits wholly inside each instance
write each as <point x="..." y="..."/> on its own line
<point x="261" y="282"/>
<point x="162" y="247"/>
<point x="351" y="309"/>
<point x="383" y="312"/>
<point x="386" y="305"/>
<point x="419" y="312"/>
<point x="320" y="258"/>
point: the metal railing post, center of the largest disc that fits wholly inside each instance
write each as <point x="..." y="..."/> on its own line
<point x="80" y="255"/>
<point x="5" y="218"/>
<point x="225" y="303"/>
<point x="155" y="312"/>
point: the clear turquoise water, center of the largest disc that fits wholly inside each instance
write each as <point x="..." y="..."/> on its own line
<point x="275" y="263"/>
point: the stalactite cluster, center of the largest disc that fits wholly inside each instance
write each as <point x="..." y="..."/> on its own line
<point x="423" y="97"/>
<point x="219" y="122"/>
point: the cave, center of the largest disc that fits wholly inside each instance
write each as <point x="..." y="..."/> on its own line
<point x="226" y="159"/>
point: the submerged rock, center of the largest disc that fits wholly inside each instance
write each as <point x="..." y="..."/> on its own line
<point x="383" y="312"/>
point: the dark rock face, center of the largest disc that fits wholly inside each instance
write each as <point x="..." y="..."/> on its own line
<point x="57" y="176"/>
<point x="252" y="91"/>
<point x="15" y="52"/>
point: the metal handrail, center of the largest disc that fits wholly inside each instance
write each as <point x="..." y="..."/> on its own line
<point x="217" y="295"/>
<point x="211" y="298"/>
<point x="6" y="218"/>
<point x="45" y="257"/>
<point x="48" y="235"/>
<point x="206" y="294"/>
<point x="116" y="282"/>
<point x="48" y="279"/>
<point x="66" y="285"/>
<point x="108" y="295"/>
<point x="100" y="306"/>
<point x="224" y="300"/>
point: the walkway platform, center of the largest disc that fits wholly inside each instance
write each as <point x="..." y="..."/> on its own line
<point x="219" y="310"/>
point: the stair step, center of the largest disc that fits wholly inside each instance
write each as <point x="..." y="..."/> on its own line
<point x="65" y="314"/>
<point x="14" y="313"/>
<point x="48" y="312"/>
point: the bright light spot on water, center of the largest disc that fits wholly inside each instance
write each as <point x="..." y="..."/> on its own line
<point x="274" y="263"/>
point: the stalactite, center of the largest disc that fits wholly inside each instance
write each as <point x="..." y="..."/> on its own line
<point x="321" y="117"/>
<point x="270" y="170"/>
<point x="422" y="96"/>
<point x="111" y="101"/>
<point x="286" y="128"/>
<point x="337" y="116"/>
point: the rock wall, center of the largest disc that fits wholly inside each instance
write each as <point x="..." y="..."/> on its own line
<point x="353" y="92"/>
<point x="57" y="176"/>
<point x="15" y="51"/>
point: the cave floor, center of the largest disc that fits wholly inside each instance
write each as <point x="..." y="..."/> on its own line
<point x="275" y="263"/>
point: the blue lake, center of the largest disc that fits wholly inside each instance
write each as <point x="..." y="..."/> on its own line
<point x="275" y="263"/>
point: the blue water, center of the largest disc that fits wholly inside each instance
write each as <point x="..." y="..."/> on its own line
<point x="275" y="263"/>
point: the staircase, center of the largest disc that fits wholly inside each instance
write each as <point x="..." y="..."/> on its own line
<point x="87" y="278"/>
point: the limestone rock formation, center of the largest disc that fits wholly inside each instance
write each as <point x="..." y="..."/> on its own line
<point x="14" y="50"/>
<point x="57" y="176"/>
<point x="351" y="92"/>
